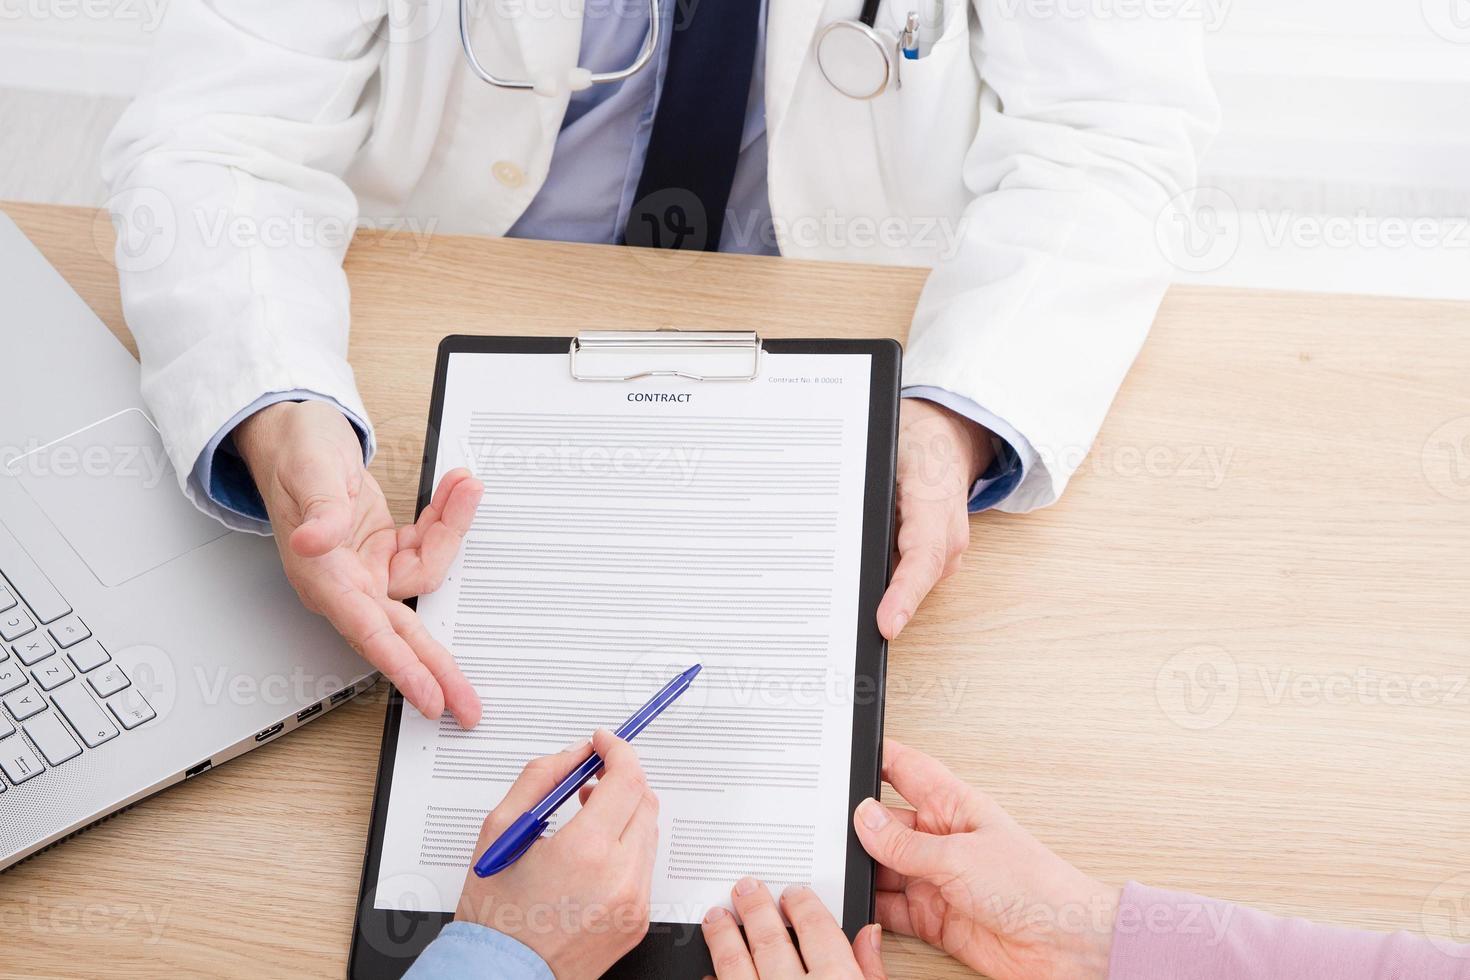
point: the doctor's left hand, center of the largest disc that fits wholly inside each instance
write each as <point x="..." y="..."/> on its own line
<point x="345" y="556"/>
<point x="940" y="456"/>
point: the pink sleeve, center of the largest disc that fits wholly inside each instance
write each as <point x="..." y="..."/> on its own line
<point x="1162" y="935"/>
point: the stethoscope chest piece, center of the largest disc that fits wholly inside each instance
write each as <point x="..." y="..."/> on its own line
<point x="855" y="59"/>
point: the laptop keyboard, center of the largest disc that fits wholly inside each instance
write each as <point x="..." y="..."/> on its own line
<point x="62" y="693"/>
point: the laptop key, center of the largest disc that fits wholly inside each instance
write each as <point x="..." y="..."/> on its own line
<point x="15" y="624"/>
<point x="130" y="709"/>
<point x="7" y="599"/>
<point x="89" y="720"/>
<point x="24" y="703"/>
<point x="52" y="738"/>
<point x="88" y="655"/>
<point x="11" y="677"/>
<point x="33" y="649"/>
<point x="108" y="681"/>
<point x="28" y="581"/>
<point x="6" y="728"/>
<point x="52" y="674"/>
<point x="18" y="761"/>
<point x="69" y="631"/>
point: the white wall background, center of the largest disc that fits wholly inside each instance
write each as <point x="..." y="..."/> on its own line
<point x="1346" y="121"/>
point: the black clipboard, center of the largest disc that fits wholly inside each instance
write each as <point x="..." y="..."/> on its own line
<point x="386" y="942"/>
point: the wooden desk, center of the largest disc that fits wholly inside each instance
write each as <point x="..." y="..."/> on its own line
<point x="1273" y="499"/>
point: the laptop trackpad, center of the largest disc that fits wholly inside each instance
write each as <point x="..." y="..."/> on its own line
<point x="112" y="492"/>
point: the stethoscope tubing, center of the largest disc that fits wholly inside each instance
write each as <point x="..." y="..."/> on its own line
<point x="866" y="21"/>
<point x="645" y="54"/>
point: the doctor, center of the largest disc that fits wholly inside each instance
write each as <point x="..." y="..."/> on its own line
<point x="1025" y="155"/>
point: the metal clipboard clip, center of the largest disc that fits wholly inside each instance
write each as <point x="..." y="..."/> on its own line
<point x="695" y="355"/>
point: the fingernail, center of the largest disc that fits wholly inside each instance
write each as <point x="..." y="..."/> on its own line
<point x="877" y="938"/>
<point x="899" y="622"/>
<point x="580" y="743"/>
<point x="745" y="886"/>
<point x="715" y="914"/>
<point x="873" y="815"/>
<point x="793" y="890"/>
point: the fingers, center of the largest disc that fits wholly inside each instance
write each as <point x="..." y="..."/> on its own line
<point x="538" y="778"/>
<point x="892" y="910"/>
<point x="928" y="785"/>
<point x="641" y="839"/>
<point x="410" y="535"/>
<point x="867" y="949"/>
<point x="901" y="848"/>
<point x="926" y="555"/>
<point x="765" y="933"/>
<point x="642" y="830"/>
<point x="363" y="621"/>
<point x="427" y="548"/>
<point x="458" y="693"/>
<point x="817" y="933"/>
<point x="321" y="485"/>
<point x="727" y="948"/>
<point x="888" y="880"/>
<point x="620" y="788"/>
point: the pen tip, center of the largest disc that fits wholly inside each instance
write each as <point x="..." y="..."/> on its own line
<point x="693" y="670"/>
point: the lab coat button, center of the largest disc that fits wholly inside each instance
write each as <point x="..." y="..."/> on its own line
<point x="508" y="173"/>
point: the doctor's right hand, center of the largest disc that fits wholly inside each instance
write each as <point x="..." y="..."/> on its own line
<point x="347" y="559"/>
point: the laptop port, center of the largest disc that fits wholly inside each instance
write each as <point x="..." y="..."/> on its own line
<point x="315" y="709"/>
<point x="271" y="731"/>
<point x="342" y="695"/>
<point x="197" y="768"/>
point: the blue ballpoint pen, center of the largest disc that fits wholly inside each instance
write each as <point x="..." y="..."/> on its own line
<point x="529" y="826"/>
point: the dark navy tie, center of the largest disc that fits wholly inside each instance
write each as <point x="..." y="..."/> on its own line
<point x="692" y="151"/>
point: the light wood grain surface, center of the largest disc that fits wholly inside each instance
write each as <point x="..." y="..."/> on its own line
<point x="1234" y="659"/>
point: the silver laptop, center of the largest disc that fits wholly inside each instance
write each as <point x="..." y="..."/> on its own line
<point x="141" y="643"/>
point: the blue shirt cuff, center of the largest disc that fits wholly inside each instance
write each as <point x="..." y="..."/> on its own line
<point x="468" y="951"/>
<point x="1014" y="456"/>
<point x="221" y="472"/>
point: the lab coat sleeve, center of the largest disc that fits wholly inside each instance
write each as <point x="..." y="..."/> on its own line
<point x="1090" y="126"/>
<point x="231" y="212"/>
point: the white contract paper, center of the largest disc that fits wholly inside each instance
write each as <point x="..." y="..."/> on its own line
<point x="628" y="531"/>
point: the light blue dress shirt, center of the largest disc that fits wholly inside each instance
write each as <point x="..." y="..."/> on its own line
<point x="466" y="951"/>
<point x="604" y="138"/>
<point x="587" y="197"/>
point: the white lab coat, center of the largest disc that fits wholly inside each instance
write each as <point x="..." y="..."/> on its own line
<point x="1027" y="158"/>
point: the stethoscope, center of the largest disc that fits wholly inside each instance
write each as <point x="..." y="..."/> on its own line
<point x="577" y="78"/>
<point x="853" y="56"/>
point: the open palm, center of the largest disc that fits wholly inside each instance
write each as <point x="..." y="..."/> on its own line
<point x="348" y="560"/>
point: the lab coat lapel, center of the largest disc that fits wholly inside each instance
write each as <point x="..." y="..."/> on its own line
<point x="790" y="27"/>
<point x="550" y="36"/>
